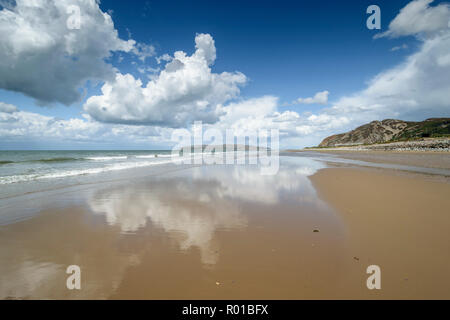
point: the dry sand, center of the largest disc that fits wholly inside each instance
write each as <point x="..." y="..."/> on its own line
<point x="400" y="223"/>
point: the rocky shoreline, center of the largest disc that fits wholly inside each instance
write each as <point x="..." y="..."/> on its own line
<point x="432" y="144"/>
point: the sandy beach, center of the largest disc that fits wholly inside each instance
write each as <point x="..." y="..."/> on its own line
<point x="211" y="232"/>
<point x="425" y="159"/>
<point x="228" y="232"/>
<point x="398" y="222"/>
<point x="211" y="157"/>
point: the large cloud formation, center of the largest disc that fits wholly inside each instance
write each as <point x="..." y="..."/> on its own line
<point x="185" y="90"/>
<point x="43" y="58"/>
<point x="418" y="87"/>
<point x="18" y="127"/>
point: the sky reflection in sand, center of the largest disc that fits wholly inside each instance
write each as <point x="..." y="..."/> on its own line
<point x="150" y="237"/>
<point x="192" y="207"/>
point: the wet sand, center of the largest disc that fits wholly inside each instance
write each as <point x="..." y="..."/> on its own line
<point x="426" y="159"/>
<point x="228" y="232"/>
<point x="201" y="233"/>
<point x="400" y="223"/>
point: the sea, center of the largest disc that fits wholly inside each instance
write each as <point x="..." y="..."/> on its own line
<point x="27" y="171"/>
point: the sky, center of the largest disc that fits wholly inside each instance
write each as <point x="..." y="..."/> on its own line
<point x="84" y="74"/>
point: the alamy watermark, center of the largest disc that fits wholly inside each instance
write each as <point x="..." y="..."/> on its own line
<point x="74" y="280"/>
<point x="374" y="20"/>
<point x="374" y="280"/>
<point x="74" y="20"/>
<point x="213" y="146"/>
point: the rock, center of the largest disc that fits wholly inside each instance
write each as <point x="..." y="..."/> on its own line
<point x="390" y="130"/>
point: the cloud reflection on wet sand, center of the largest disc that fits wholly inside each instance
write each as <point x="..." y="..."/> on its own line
<point x="188" y="220"/>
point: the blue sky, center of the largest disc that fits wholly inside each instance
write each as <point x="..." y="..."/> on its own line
<point x="286" y="50"/>
<point x="304" y="45"/>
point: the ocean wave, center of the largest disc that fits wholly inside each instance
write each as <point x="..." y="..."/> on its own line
<point x="79" y="172"/>
<point x="154" y="156"/>
<point x="129" y="157"/>
<point x="136" y="162"/>
<point x="60" y="159"/>
<point x="107" y="158"/>
<point x="46" y="160"/>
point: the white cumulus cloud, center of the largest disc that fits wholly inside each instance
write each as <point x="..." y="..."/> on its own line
<point x="144" y="51"/>
<point x="44" y="59"/>
<point x="418" y="17"/>
<point x="7" y="108"/>
<point x="185" y="90"/>
<point x="319" y="98"/>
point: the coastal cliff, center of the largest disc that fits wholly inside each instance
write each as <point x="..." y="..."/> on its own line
<point x="392" y="130"/>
